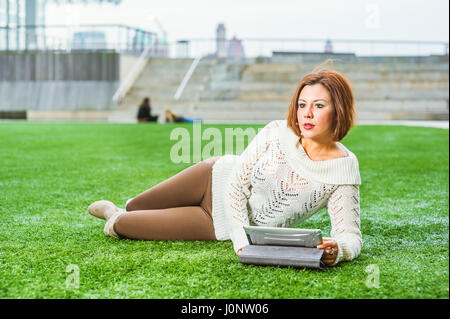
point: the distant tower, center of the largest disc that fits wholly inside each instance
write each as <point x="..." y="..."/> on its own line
<point x="221" y="41"/>
<point x="235" y="49"/>
<point x="328" y="46"/>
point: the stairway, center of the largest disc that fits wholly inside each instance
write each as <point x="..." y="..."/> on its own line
<point x="259" y="90"/>
<point x="383" y="90"/>
<point x="160" y="80"/>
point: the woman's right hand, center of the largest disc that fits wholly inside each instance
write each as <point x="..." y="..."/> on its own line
<point x="239" y="251"/>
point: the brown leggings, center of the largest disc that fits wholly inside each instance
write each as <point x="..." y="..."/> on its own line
<point x="178" y="208"/>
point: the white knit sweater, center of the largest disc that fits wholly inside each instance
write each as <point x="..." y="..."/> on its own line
<point x="274" y="183"/>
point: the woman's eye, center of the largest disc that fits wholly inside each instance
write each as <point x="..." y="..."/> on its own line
<point x="302" y="105"/>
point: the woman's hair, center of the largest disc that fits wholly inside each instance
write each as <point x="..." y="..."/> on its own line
<point x="341" y="99"/>
<point x="145" y="102"/>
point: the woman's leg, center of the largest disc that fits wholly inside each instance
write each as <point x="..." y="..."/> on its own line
<point x="187" y="188"/>
<point x="176" y="209"/>
<point x="179" y="223"/>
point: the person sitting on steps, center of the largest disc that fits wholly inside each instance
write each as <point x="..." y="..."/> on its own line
<point x="145" y="112"/>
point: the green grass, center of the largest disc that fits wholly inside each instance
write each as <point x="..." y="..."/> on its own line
<point x="50" y="173"/>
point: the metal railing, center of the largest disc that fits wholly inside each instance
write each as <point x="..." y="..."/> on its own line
<point x="132" y="76"/>
<point x="265" y="47"/>
<point x="120" y="38"/>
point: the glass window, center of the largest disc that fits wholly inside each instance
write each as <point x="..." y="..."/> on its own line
<point x="21" y="7"/>
<point x="12" y="13"/>
<point x="3" y="12"/>
<point x="40" y="7"/>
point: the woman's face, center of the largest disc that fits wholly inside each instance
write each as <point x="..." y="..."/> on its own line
<point x="314" y="107"/>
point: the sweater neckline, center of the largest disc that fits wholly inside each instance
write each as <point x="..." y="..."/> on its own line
<point x="341" y="170"/>
<point x="340" y="145"/>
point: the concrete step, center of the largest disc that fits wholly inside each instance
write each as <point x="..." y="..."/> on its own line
<point x="154" y="95"/>
<point x="176" y="81"/>
<point x="272" y="95"/>
<point x="170" y="62"/>
<point x="169" y="76"/>
<point x="398" y="76"/>
<point x="165" y="87"/>
<point x="163" y="74"/>
<point x="413" y="85"/>
<point x="264" y="106"/>
<point x="401" y="115"/>
<point x="237" y="115"/>
<point x="247" y="117"/>
<point x="291" y="86"/>
<point x="140" y="93"/>
<point x="128" y="114"/>
<point x="295" y="77"/>
<point x="416" y="88"/>
<point x="303" y="68"/>
<point x="156" y="81"/>
<point x="403" y="105"/>
<point x="156" y="100"/>
<point x="67" y="115"/>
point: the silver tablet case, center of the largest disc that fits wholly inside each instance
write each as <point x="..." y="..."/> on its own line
<point x="279" y="236"/>
<point x="282" y="256"/>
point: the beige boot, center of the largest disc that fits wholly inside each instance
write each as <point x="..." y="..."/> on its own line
<point x="103" y="209"/>
<point x="109" y="226"/>
<point x="106" y="210"/>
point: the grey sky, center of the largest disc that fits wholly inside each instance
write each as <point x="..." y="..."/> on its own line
<point x="345" y="19"/>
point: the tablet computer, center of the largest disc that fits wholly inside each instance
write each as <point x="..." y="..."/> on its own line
<point x="280" y="236"/>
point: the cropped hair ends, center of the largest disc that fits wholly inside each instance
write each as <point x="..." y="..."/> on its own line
<point x="341" y="98"/>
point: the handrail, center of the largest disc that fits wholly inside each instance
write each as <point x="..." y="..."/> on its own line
<point x="64" y="26"/>
<point x="281" y="39"/>
<point x="186" y="78"/>
<point x="131" y="77"/>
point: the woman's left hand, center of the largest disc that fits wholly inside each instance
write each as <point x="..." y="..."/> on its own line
<point x="330" y="252"/>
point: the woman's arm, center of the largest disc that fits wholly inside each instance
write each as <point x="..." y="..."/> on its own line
<point x="238" y="187"/>
<point x="344" y="211"/>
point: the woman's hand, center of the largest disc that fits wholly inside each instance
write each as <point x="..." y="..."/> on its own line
<point x="239" y="251"/>
<point x="330" y="252"/>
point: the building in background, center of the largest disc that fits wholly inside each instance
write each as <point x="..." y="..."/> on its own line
<point x="22" y="22"/>
<point x="328" y="46"/>
<point x="89" y="40"/>
<point x="14" y="16"/>
<point x="227" y="48"/>
<point x="235" y="48"/>
<point x="221" y="40"/>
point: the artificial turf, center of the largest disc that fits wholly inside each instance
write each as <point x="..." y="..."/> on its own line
<point x="51" y="172"/>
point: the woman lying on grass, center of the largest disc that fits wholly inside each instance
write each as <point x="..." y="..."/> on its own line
<point x="290" y="170"/>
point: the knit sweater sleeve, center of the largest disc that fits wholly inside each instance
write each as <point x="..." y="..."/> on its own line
<point x="344" y="211"/>
<point x="237" y="191"/>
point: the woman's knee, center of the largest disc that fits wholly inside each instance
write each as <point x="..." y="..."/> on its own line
<point x="132" y="204"/>
<point x="129" y="205"/>
<point x="119" y="225"/>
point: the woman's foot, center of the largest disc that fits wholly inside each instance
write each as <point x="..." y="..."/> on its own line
<point x="103" y="209"/>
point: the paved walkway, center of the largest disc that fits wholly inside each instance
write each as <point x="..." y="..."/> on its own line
<point x="438" y="124"/>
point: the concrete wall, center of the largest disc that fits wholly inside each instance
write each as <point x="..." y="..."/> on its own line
<point x="58" y="80"/>
<point x="127" y="63"/>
